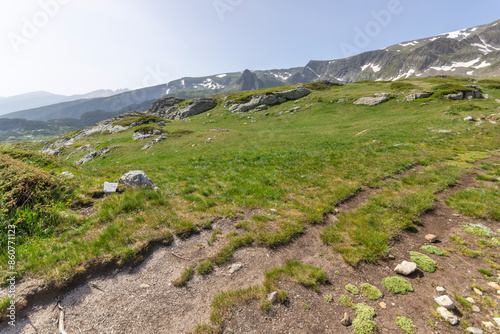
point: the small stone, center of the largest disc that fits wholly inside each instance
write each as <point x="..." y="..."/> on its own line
<point x="234" y="268"/>
<point x="383" y="305"/>
<point x="476" y="309"/>
<point x="497" y="320"/>
<point x="346" y="320"/>
<point x="406" y="268"/>
<point x="68" y="175"/>
<point x="448" y="316"/>
<point x="470" y="300"/>
<point x="469" y="119"/>
<point x="474" y="330"/>
<point x="272" y="297"/>
<point x="431" y="238"/>
<point x="440" y="289"/>
<point x="488" y="324"/>
<point x="445" y="301"/>
<point x="494" y="285"/>
<point x="477" y="291"/>
<point x="144" y="286"/>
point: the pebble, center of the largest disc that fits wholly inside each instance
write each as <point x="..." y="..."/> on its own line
<point x="471" y="300"/>
<point x="144" y="286"/>
<point x="494" y="285"/>
<point x="346" y="320"/>
<point x="476" y="309"/>
<point x="479" y="292"/>
<point x="234" y="268"/>
<point x="383" y="305"/>
<point x="431" y="238"/>
<point x="440" y="289"/>
<point x="488" y="324"/>
<point x="272" y="297"/>
<point x="474" y="330"/>
<point x="445" y="301"/>
<point x="497" y="320"/>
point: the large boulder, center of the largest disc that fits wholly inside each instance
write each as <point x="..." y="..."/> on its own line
<point x="372" y="101"/>
<point x="137" y="179"/>
<point x="270" y="99"/>
<point x="164" y="106"/>
<point x="192" y="108"/>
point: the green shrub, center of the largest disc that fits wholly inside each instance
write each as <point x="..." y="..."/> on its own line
<point x="397" y="285"/>
<point x="371" y="292"/>
<point x="433" y="250"/>
<point x="423" y="262"/>
<point x="352" y="289"/>
<point x="406" y="325"/>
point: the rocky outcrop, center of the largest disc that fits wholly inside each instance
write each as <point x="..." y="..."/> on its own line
<point x="192" y="108"/>
<point x="137" y="179"/>
<point x="87" y="158"/>
<point x="416" y="96"/>
<point x="372" y="101"/>
<point x="259" y="101"/>
<point x="249" y="81"/>
<point x="144" y="134"/>
<point x="165" y="106"/>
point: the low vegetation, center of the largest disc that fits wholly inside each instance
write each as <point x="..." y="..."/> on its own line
<point x="397" y="285"/>
<point x="423" y="262"/>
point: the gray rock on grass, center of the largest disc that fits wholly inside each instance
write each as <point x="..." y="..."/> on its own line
<point x="137" y="179"/>
<point x="406" y="268"/>
<point x="448" y="316"/>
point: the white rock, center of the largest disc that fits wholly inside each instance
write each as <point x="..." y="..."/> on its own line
<point x="494" y="285"/>
<point x="68" y="175"/>
<point x="234" y="268"/>
<point x="406" y="268"/>
<point x="448" y="316"/>
<point x="440" y="289"/>
<point x="474" y="330"/>
<point x="497" y="320"/>
<point x="445" y="301"/>
<point x="476" y="309"/>
<point x="272" y="297"/>
<point x="469" y="119"/>
<point x="136" y="179"/>
<point x="110" y="188"/>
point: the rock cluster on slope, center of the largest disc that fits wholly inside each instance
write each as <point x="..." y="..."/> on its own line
<point x="265" y="100"/>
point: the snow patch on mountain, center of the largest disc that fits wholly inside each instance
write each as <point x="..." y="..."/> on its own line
<point x="409" y="43"/>
<point x="485" y="47"/>
<point x="456" y="65"/>
<point x="221" y="75"/>
<point x="375" y="68"/>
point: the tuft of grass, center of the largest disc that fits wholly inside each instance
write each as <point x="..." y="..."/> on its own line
<point x="485" y="272"/>
<point x="400" y="86"/>
<point x="469" y="252"/>
<point x="464" y="302"/>
<point x="457" y="239"/>
<point x="434" y="250"/>
<point x="347" y="302"/>
<point x="226" y="252"/>
<point x="305" y="274"/>
<point x="406" y="325"/>
<point x="184" y="277"/>
<point x="371" y="292"/>
<point x="397" y="285"/>
<point x="4" y="304"/>
<point x="328" y="298"/>
<point x="352" y="289"/>
<point x="205" y="267"/>
<point x="213" y="238"/>
<point x="423" y="262"/>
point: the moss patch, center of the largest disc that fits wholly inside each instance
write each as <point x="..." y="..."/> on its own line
<point x="423" y="262"/>
<point x="397" y="285"/>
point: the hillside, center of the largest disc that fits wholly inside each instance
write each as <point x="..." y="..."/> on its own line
<point x="300" y="191"/>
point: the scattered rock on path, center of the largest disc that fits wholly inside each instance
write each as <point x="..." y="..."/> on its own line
<point x="272" y="297"/>
<point x="477" y="291"/>
<point x="476" y="309"/>
<point x="440" y="289"/>
<point x="234" y="268"/>
<point x="432" y="238"/>
<point x="68" y="175"/>
<point x="346" y="320"/>
<point x="406" y="268"/>
<point x="494" y="285"/>
<point x="448" y="316"/>
<point x="445" y="301"/>
<point x="474" y="330"/>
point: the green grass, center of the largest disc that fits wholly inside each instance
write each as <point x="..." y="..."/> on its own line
<point x="305" y="274"/>
<point x="423" y="262"/>
<point x="464" y="302"/>
<point x="371" y="292"/>
<point x="477" y="202"/>
<point x="205" y="267"/>
<point x="479" y="230"/>
<point x="485" y="272"/>
<point x="397" y="285"/>
<point x="301" y="165"/>
<point x="469" y="252"/>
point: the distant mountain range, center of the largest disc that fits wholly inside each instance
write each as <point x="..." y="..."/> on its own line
<point x="471" y="52"/>
<point x="40" y="99"/>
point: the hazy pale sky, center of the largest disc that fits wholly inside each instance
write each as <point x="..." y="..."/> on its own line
<point x="76" y="46"/>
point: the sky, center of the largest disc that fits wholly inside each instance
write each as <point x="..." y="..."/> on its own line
<point x="77" y="46"/>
